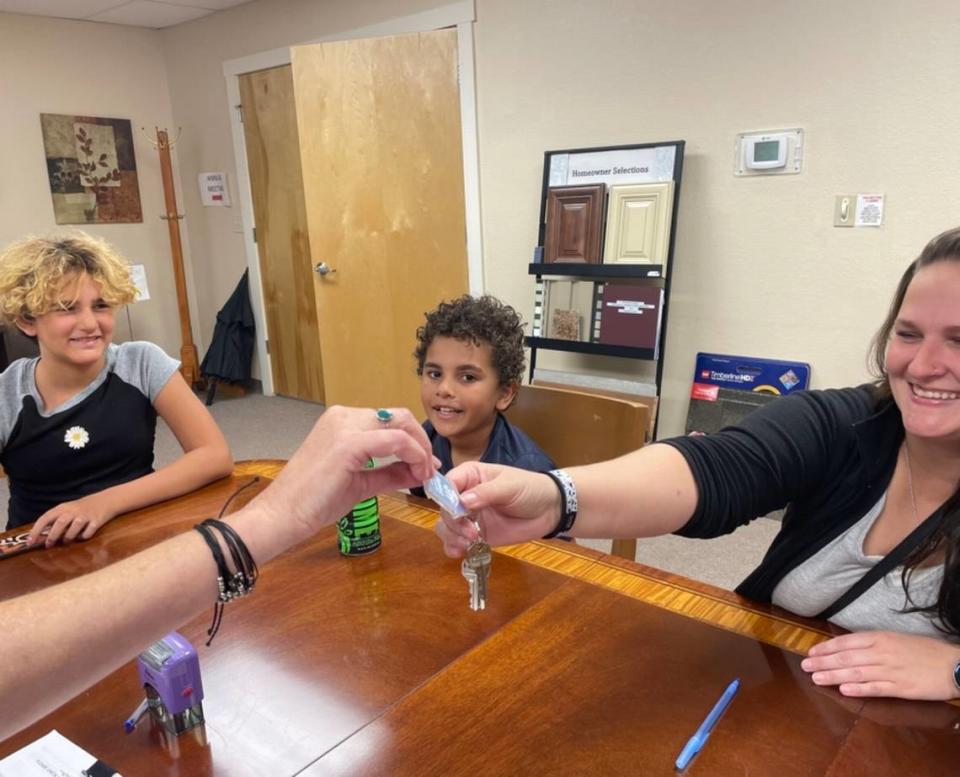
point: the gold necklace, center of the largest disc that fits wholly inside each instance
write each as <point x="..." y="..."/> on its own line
<point x="913" y="496"/>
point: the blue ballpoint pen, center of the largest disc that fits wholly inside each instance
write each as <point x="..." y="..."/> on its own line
<point x="703" y="733"/>
<point x="131" y="723"/>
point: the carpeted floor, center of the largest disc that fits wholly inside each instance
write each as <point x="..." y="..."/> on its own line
<point x="259" y="427"/>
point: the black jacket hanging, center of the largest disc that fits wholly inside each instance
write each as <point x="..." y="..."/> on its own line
<point x="231" y="350"/>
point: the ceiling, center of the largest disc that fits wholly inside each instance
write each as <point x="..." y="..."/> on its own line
<point x="154" y="14"/>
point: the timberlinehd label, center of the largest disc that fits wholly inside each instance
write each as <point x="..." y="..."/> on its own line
<point x="746" y="373"/>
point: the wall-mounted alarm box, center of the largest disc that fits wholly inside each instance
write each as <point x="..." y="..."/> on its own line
<point x="773" y="152"/>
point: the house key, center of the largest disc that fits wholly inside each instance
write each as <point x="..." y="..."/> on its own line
<point x="476" y="571"/>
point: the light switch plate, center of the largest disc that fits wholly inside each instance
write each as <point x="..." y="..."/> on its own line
<point x="844" y="210"/>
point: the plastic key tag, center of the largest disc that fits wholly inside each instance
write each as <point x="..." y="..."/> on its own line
<point x="445" y="494"/>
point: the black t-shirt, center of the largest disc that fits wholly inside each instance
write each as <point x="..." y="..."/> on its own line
<point x="827" y="456"/>
<point x="101" y="437"/>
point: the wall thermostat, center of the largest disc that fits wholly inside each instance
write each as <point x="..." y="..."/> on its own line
<point x="773" y="152"/>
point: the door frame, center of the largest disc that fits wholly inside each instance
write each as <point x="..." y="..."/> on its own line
<point x="461" y="15"/>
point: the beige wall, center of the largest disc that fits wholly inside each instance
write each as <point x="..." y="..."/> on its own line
<point x="759" y="269"/>
<point x="79" y="68"/>
<point x="195" y="53"/>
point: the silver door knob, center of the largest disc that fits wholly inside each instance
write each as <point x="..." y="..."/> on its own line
<point x="322" y="268"/>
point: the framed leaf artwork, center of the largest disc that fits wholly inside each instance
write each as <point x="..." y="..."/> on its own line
<point x="92" y="169"/>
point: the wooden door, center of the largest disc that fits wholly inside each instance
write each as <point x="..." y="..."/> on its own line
<point x="380" y="146"/>
<point x="273" y="157"/>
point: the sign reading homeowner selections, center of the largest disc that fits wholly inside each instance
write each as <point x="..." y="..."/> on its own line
<point x="627" y="165"/>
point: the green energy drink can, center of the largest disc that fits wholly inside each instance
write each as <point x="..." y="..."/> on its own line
<point x="359" y="530"/>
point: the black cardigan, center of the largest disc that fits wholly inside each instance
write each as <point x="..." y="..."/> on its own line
<point x="827" y="456"/>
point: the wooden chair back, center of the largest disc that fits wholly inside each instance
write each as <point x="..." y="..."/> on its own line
<point x="577" y="427"/>
<point x="650" y="402"/>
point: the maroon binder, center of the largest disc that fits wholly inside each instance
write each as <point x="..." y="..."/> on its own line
<point x="629" y="315"/>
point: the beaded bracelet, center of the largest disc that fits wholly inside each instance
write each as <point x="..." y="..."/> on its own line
<point x="568" y="502"/>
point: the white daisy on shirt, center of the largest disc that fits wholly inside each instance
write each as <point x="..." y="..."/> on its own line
<point x="76" y="437"/>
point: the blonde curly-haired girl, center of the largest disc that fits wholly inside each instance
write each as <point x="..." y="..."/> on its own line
<point x="77" y="423"/>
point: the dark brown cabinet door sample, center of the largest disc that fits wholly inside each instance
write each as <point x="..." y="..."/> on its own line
<point x="574" y="224"/>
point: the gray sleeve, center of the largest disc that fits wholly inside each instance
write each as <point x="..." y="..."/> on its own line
<point x="13" y="386"/>
<point x="145" y="366"/>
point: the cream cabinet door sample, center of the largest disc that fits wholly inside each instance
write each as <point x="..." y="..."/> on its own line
<point x="638" y="223"/>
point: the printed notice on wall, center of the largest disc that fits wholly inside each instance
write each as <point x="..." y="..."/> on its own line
<point x="869" y="210"/>
<point x="213" y="190"/>
<point x="138" y="274"/>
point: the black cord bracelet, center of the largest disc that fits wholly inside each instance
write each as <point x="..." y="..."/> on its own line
<point x="230" y="585"/>
<point x="223" y="572"/>
<point x="253" y="481"/>
<point x="244" y="564"/>
<point x="568" y="502"/>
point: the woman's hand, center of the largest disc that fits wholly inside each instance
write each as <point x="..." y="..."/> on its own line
<point x="328" y="474"/>
<point x="68" y="521"/>
<point x="511" y="505"/>
<point x="886" y="663"/>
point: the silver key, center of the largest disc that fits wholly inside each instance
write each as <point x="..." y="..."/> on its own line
<point x="470" y="575"/>
<point x="476" y="571"/>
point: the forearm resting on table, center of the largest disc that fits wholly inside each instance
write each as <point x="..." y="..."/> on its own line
<point x="192" y="470"/>
<point x="60" y="640"/>
<point x="644" y="494"/>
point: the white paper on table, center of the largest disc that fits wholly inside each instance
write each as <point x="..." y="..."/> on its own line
<point x="138" y="274"/>
<point x="869" y="210"/>
<point x="52" y="755"/>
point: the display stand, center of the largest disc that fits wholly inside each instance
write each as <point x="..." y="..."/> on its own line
<point x="641" y="183"/>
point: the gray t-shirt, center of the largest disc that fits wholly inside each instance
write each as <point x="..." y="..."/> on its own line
<point x="99" y="438"/>
<point x="818" y="582"/>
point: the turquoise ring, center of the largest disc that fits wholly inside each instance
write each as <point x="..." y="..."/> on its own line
<point x="384" y="416"/>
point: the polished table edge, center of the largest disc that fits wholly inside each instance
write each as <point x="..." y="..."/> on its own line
<point x="692" y="599"/>
<point x="675" y="593"/>
<point x="266" y="468"/>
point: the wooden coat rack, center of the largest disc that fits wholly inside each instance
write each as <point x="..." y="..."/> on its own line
<point x="189" y="364"/>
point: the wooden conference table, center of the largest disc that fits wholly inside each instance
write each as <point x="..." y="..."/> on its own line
<point x="581" y="664"/>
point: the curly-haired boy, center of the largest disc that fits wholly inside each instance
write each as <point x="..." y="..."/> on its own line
<point x="470" y="362"/>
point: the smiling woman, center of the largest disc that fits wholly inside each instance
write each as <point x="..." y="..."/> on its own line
<point x="77" y="424"/>
<point x="869" y="477"/>
<point x="917" y="351"/>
